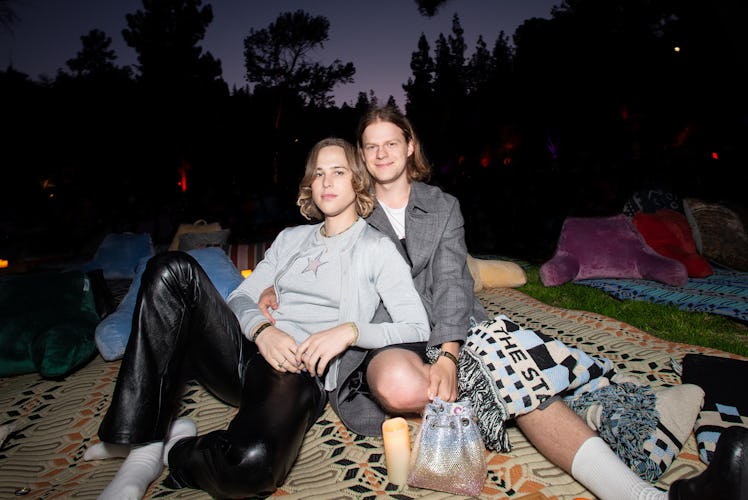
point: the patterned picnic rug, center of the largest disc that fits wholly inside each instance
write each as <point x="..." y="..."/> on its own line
<point x="56" y="420"/>
<point x="725" y="292"/>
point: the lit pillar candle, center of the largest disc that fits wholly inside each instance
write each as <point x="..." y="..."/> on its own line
<point x="396" y="449"/>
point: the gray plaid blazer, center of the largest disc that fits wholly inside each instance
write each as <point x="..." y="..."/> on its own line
<point x="436" y="250"/>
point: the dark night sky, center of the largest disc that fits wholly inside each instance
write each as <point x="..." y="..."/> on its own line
<point x="378" y="36"/>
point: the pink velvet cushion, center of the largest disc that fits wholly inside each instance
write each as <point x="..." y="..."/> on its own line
<point x="669" y="233"/>
<point x="607" y="247"/>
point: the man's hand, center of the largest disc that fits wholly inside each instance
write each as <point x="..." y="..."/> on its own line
<point x="268" y="302"/>
<point x="279" y="349"/>
<point x="443" y="380"/>
<point x="443" y="374"/>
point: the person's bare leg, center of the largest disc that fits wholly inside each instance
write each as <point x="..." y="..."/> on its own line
<point x="557" y="433"/>
<point x="399" y="380"/>
<point x="566" y="440"/>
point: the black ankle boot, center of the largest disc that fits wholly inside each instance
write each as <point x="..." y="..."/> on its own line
<point x="726" y="476"/>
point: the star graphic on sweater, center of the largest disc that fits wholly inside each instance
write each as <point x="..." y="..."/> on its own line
<point x="314" y="264"/>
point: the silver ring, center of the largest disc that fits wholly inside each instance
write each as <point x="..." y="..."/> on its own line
<point x="280" y="365"/>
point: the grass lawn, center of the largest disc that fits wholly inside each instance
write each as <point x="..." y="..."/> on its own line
<point x="663" y="321"/>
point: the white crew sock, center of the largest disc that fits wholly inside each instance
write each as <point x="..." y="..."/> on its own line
<point x="180" y="429"/>
<point x="106" y="450"/>
<point x="143" y="464"/>
<point x="141" y="467"/>
<point x="600" y="470"/>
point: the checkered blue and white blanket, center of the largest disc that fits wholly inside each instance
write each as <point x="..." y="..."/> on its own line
<point x="507" y="371"/>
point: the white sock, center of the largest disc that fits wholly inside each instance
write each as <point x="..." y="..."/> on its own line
<point x="600" y="470"/>
<point x="106" y="450"/>
<point x="141" y="467"/>
<point x="180" y="429"/>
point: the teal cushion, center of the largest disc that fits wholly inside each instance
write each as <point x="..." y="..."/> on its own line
<point x="48" y="323"/>
<point x="114" y="330"/>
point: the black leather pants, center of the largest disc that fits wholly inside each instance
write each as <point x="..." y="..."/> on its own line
<point x="182" y="329"/>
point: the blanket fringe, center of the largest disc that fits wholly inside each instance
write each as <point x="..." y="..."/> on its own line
<point x="476" y="384"/>
<point x="629" y="418"/>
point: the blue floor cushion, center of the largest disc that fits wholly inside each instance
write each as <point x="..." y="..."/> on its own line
<point x="114" y="331"/>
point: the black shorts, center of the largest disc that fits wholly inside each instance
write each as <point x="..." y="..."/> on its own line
<point x="416" y="347"/>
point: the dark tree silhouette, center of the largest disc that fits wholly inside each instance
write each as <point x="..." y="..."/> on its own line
<point x="479" y="66"/>
<point x="365" y="100"/>
<point x="279" y="64"/>
<point x="523" y="133"/>
<point x="450" y="72"/>
<point x="165" y="35"/>
<point x="419" y="88"/>
<point x="429" y="8"/>
<point x="96" y="57"/>
<point x="277" y="59"/>
<point x="436" y="94"/>
<point x="8" y="15"/>
<point x="179" y="115"/>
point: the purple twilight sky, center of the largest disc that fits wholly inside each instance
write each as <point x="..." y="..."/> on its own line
<point x="378" y="36"/>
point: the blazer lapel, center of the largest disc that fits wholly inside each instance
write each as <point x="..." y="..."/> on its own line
<point x="378" y="219"/>
<point x="420" y="231"/>
<point x="421" y="225"/>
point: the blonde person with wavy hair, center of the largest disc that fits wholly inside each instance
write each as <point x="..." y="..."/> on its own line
<point x="330" y="277"/>
<point x="360" y="180"/>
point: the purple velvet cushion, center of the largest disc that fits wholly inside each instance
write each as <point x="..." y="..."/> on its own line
<point x="607" y="247"/>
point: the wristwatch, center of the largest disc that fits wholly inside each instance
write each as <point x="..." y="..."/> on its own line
<point x="447" y="354"/>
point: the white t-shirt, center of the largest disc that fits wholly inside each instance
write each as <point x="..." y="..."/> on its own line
<point x="397" y="219"/>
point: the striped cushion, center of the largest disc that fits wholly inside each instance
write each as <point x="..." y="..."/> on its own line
<point x="247" y="255"/>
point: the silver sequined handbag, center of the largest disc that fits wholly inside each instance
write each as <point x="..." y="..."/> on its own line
<point x="448" y="454"/>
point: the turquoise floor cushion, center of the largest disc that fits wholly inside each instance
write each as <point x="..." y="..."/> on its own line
<point x="48" y="323"/>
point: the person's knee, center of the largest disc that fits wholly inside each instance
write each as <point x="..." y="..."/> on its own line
<point x="168" y="266"/>
<point x="170" y="259"/>
<point x="400" y="388"/>
<point x="173" y="262"/>
<point x="393" y="399"/>
<point x="254" y="467"/>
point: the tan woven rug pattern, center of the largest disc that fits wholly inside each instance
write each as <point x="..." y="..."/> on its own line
<point x="56" y="420"/>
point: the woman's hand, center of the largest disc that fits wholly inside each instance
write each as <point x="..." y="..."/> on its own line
<point x="279" y="349"/>
<point x="267" y="303"/>
<point x="317" y="350"/>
